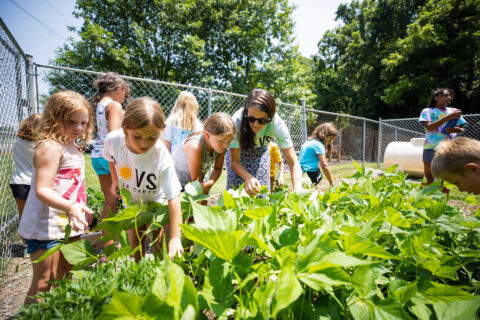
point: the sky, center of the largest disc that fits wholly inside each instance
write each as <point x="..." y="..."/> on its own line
<point x="40" y="26"/>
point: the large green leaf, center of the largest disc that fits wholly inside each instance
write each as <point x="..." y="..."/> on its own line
<point x="390" y="309"/>
<point x="224" y="245"/>
<point x="216" y="218"/>
<point x="287" y="290"/>
<point x="457" y="310"/>
<point x="437" y="292"/>
<point x="326" y="278"/>
<point x="78" y="252"/>
<point x="369" y="248"/>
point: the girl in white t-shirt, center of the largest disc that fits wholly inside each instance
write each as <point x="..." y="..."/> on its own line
<point x="22" y="156"/>
<point x="182" y="121"/>
<point x="201" y="150"/>
<point x="140" y="163"/>
<point x="249" y="160"/>
<point x="59" y="196"/>
<point x="112" y="91"/>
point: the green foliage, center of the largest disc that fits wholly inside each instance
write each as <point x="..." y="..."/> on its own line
<point x="388" y="55"/>
<point x="382" y="248"/>
<point x="230" y="45"/>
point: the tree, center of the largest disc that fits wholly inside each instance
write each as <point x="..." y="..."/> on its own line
<point x="441" y="49"/>
<point x="230" y="44"/>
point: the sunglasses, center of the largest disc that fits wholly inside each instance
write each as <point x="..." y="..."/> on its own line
<point x="262" y="121"/>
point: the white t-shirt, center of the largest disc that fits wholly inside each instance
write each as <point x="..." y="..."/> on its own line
<point x="176" y="135"/>
<point x="23" y="151"/>
<point x="148" y="176"/>
<point x="275" y="129"/>
<point x="102" y="128"/>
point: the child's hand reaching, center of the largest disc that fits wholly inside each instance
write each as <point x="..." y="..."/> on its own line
<point x="175" y="247"/>
<point x="252" y="186"/>
<point x="76" y="216"/>
<point x="114" y="189"/>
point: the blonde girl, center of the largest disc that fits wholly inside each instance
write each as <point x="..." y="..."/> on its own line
<point x="112" y="91"/>
<point x="182" y="121"/>
<point x="22" y="156"/>
<point x="140" y="163"/>
<point x="203" y="149"/>
<point x="314" y="151"/>
<point x="58" y="197"/>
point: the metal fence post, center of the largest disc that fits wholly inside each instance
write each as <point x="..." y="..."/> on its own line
<point x="363" y="142"/>
<point x="304" y="124"/>
<point x="36" y="90"/>
<point x="209" y="102"/>
<point x="30" y="86"/>
<point x="379" y="150"/>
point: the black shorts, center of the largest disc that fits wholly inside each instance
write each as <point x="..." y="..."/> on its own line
<point x="20" y="191"/>
<point x="315" y="176"/>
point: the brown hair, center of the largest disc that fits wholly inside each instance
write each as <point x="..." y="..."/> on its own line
<point x="106" y="83"/>
<point x="219" y="123"/>
<point x="142" y="112"/>
<point x="452" y="155"/>
<point x="322" y="131"/>
<point x="109" y="82"/>
<point x="264" y="101"/>
<point x="60" y="106"/>
<point x="27" y="129"/>
<point x="185" y="111"/>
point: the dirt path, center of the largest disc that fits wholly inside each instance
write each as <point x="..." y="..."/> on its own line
<point x="15" y="283"/>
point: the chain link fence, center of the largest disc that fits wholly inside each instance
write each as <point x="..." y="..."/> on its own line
<point x="16" y="105"/>
<point x="25" y="87"/>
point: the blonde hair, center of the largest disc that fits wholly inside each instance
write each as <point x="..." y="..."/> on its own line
<point x="219" y="123"/>
<point x="452" y="156"/>
<point x="322" y="131"/>
<point x="27" y="129"/>
<point x="142" y="112"/>
<point x="58" y="110"/>
<point x="185" y="111"/>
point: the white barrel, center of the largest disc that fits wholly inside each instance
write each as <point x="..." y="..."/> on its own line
<point x="408" y="156"/>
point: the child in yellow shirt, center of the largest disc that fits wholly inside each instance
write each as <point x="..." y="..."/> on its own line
<point x="275" y="158"/>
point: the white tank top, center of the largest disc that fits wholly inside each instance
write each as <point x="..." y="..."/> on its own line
<point x="41" y="222"/>
<point x="102" y="128"/>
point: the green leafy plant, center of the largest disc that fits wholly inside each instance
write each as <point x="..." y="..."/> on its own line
<point x="382" y="248"/>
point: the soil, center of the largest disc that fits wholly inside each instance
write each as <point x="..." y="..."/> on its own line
<point x="15" y="282"/>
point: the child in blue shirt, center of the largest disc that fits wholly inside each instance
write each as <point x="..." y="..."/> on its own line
<point x="313" y="152"/>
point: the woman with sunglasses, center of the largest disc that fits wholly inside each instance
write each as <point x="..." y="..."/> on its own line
<point x="248" y="159"/>
<point x="441" y="122"/>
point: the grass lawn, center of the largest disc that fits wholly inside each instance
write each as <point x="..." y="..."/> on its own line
<point x="91" y="178"/>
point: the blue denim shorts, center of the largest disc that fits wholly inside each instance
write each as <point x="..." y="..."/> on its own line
<point x="34" y="245"/>
<point x="428" y="155"/>
<point x="101" y="166"/>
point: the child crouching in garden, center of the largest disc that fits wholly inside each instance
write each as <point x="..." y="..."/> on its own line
<point x="141" y="164"/>
<point x="458" y="162"/>
<point x="203" y="149"/>
<point x="58" y="197"/>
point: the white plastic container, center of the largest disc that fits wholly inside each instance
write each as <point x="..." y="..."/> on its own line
<point x="408" y="156"/>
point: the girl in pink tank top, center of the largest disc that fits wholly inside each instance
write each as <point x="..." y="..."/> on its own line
<point x="57" y="196"/>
